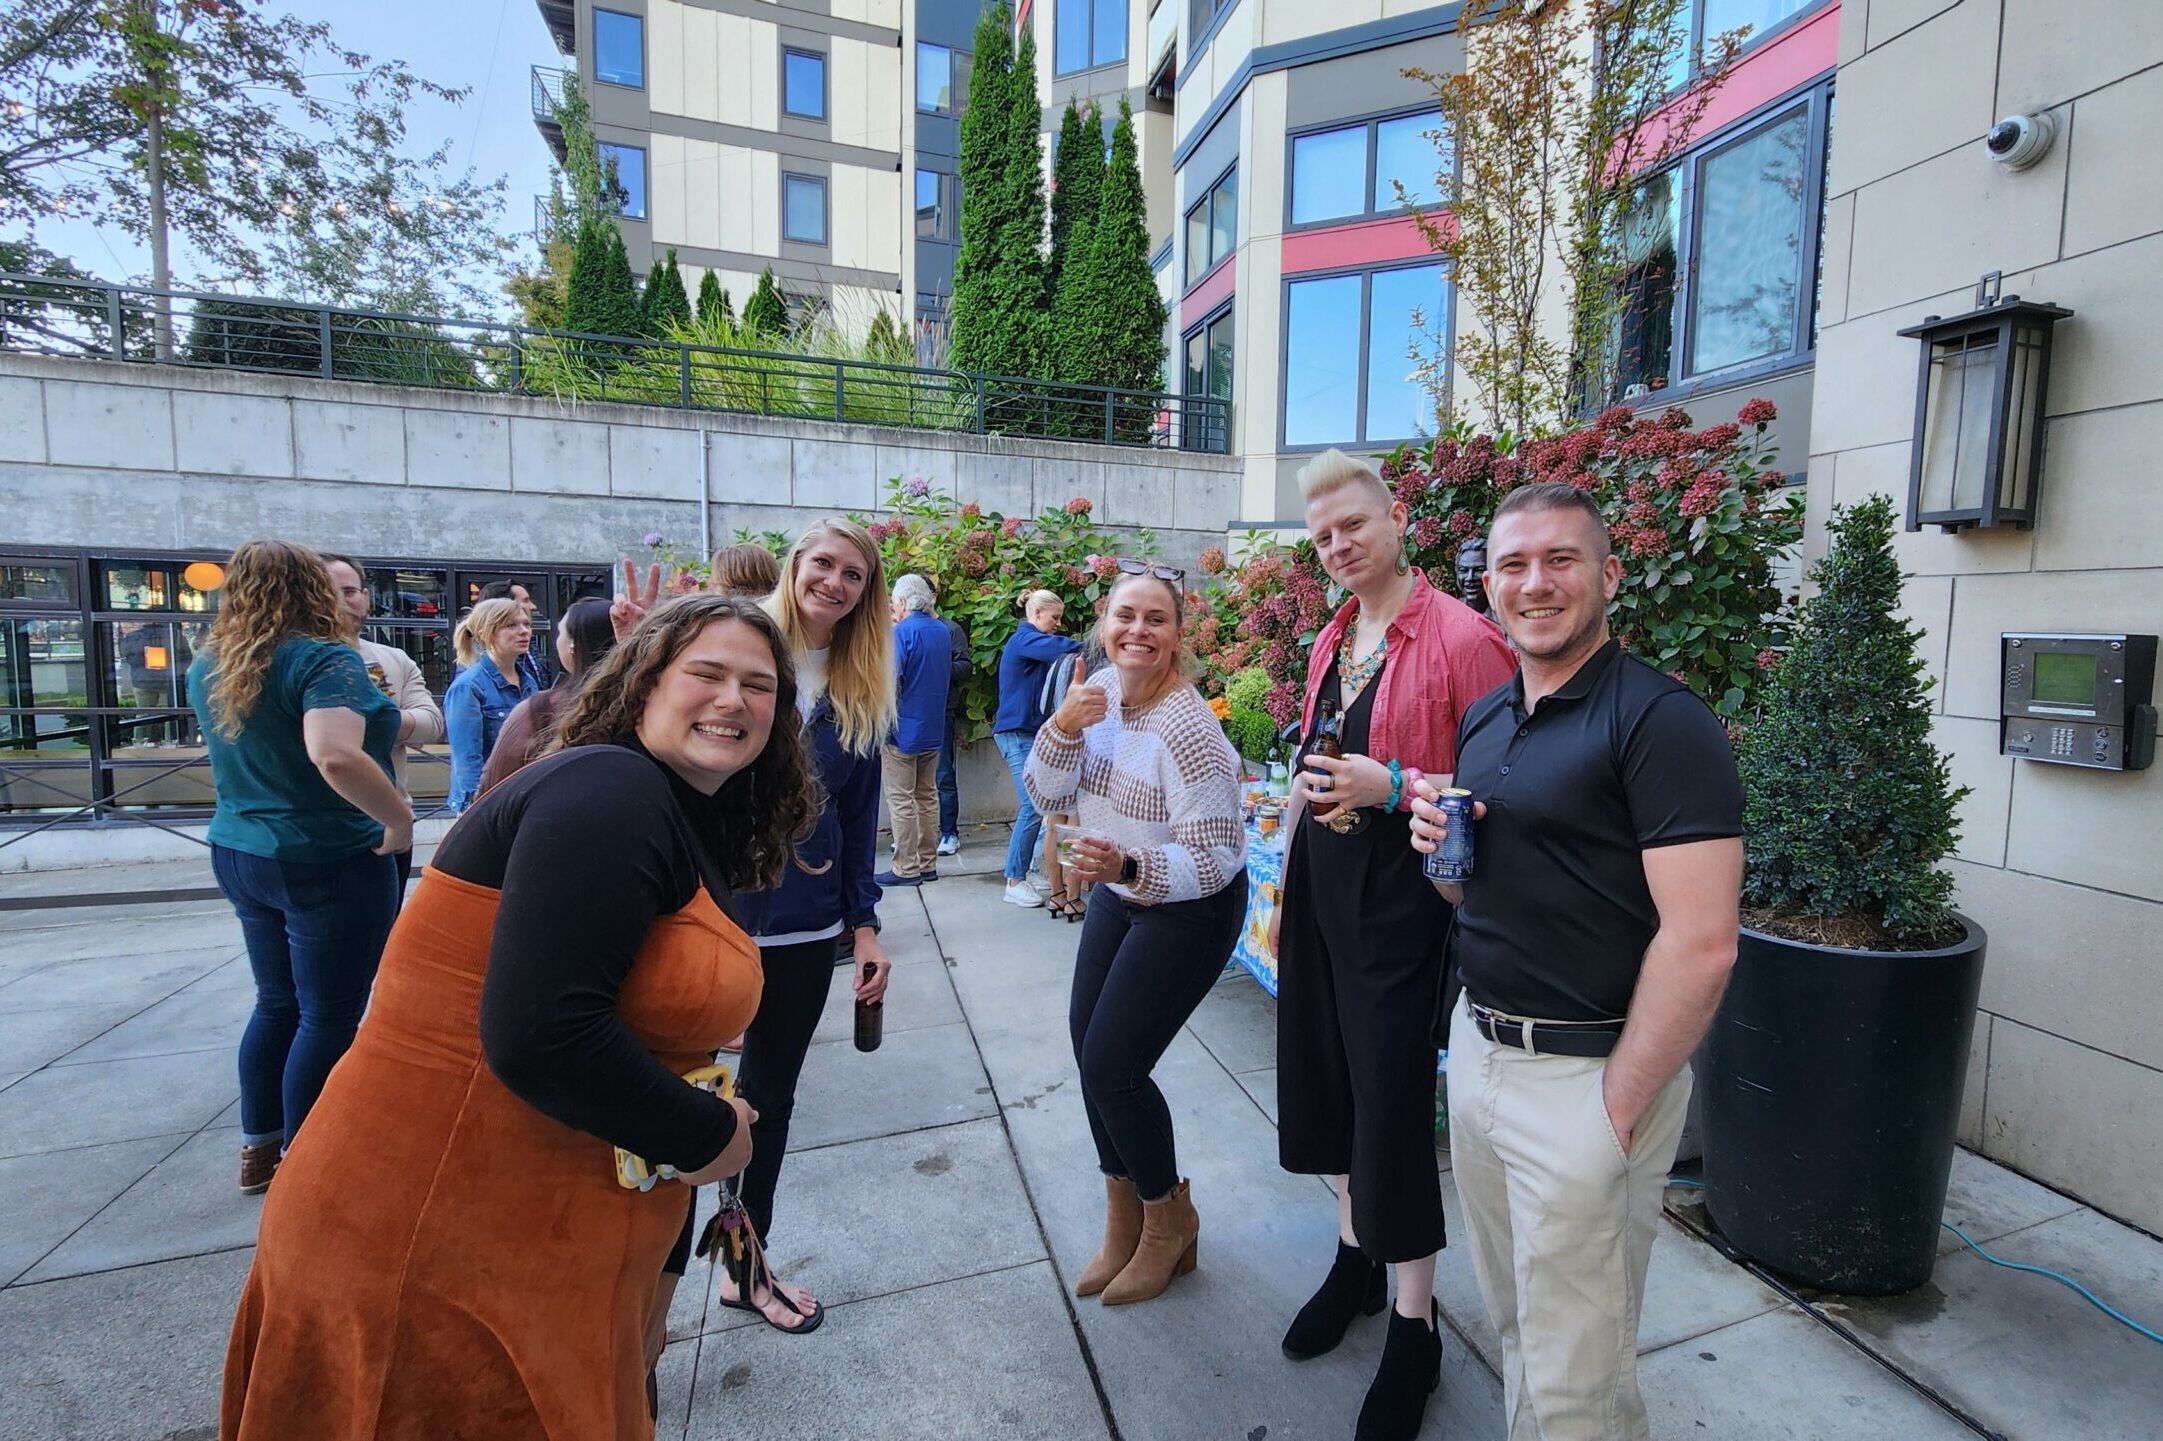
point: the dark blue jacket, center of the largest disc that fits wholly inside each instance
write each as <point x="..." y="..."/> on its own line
<point x="840" y="849"/>
<point x="923" y="654"/>
<point x="1029" y="653"/>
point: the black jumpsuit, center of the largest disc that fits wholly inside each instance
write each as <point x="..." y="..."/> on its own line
<point x="1359" y="974"/>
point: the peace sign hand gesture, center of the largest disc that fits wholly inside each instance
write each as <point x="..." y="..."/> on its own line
<point x="633" y="600"/>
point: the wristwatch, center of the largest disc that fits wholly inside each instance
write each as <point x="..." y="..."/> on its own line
<point x="1130" y="870"/>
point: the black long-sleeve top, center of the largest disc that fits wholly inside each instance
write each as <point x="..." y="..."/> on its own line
<point x="588" y="848"/>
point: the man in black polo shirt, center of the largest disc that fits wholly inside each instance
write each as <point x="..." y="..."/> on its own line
<point x="1594" y="939"/>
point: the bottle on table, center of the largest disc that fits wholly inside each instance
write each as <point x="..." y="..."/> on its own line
<point x="870" y="1019"/>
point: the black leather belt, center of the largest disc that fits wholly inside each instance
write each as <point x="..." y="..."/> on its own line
<point x="1545" y="1038"/>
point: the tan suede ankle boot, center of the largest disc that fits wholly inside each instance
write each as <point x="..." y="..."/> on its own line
<point x="1170" y="1232"/>
<point x="1122" y="1233"/>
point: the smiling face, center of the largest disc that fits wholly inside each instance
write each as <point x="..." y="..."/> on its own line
<point x="1140" y="631"/>
<point x="712" y="709"/>
<point x="829" y="580"/>
<point x="1358" y="534"/>
<point x="1550" y="580"/>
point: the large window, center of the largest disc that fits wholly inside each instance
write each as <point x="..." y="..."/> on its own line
<point x="1349" y="172"/>
<point x="1213" y="227"/>
<point x="1208" y="373"/>
<point x="1709" y="19"/>
<point x="942" y="79"/>
<point x="1201" y="14"/>
<point x="803" y="85"/>
<point x="630" y="170"/>
<point x="1721" y="256"/>
<point x="619" y="49"/>
<point x="1349" y="343"/>
<point x="1089" y="33"/>
<point x="938" y="205"/>
<point x="803" y="209"/>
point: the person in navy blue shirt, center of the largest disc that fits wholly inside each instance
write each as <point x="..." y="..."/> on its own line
<point x="922" y="656"/>
<point x="490" y="640"/>
<point x="1031" y="651"/>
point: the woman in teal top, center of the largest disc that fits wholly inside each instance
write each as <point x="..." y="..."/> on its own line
<point x="307" y="827"/>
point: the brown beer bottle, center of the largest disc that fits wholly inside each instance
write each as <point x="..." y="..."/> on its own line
<point x="870" y="1019"/>
<point x="1328" y="731"/>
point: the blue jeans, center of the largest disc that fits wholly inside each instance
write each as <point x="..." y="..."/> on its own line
<point x="1028" y="825"/>
<point x="949" y="792"/>
<point x="315" y="933"/>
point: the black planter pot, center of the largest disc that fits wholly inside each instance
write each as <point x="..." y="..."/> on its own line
<point x="1832" y="1083"/>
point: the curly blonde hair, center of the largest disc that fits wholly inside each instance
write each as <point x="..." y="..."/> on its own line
<point x="275" y="591"/>
<point x="860" y="674"/>
<point x="772" y="803"/>
<point x="480" y="627"/>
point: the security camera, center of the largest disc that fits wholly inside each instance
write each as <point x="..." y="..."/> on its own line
<point x="2018" y="141"/>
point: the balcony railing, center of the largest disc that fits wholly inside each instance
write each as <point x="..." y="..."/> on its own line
<point x="94" y="319"/>
<point x="547" y="92"/>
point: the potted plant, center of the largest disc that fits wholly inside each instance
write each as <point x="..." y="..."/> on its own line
<point x="1833" y="1074"/>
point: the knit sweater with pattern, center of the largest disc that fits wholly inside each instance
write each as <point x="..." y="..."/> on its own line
<point x="1162" y="785"/>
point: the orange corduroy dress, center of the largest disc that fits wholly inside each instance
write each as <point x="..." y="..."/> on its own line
<point x="437" y="1258"/>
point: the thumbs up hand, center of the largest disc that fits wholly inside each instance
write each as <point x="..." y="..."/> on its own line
<point x="1083" y="707"/>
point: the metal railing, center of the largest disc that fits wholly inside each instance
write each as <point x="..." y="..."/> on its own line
<point x="547" y="88"/>
<point x="96" y="319"/>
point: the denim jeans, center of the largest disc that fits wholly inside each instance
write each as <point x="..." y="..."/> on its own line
<point x="315" y="933"/>
<point x="1028" y="825"/>
<point x="949" y="792"/>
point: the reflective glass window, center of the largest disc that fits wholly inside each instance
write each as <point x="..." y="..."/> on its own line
<point x="1407" y="311"/>
<point x="1405" y="150"/>
<point x="1088" y="33"/>
<point x="935" y="78"/>
<point x="1108" y="32"/>
<point x="412" y="593"/>
<point x="803" y="209"/>
<point x="619" y="48"/>
<point x="630" y="163"/>
<point x="1321" y="391"/>
<point x="1641" y="338"/>
<point x="803" y="84"/>
<point x="42" y="663"/>
<point x="37" y="582"/>
<point x="1224" y="217"/>
<point x="1328" y="170"/>
<point x="150" y="661"/>
<point x="1750" y="246"/>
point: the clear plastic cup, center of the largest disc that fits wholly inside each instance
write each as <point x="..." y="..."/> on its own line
<point x="1067" y="841"/>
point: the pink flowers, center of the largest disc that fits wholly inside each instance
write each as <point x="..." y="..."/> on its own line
<point x="1282" y="703"/>
<point x="1213" y="561"/>
<point x="1079" y="505"/>
<point x="1412" y="484"/>
<point x="1462" y="524"/>
<point x="1767" y="659"/>
<point x="1103" y="567"/>
<point x="1650" y="541"/>
<point x="1703" y="496"/>
<point x="1010" y="527"/>
<point x="918" y="487"/>
<point x="970" y="510"/>
<point x="1427" y="532"/>
<point x="1758" y="412"/>
<point x="973" y="562"/>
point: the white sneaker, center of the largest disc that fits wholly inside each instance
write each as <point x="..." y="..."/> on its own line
<point x="1036" y="882"/>
<point x="950" y="845"/>
<point x="1019" y="893"/>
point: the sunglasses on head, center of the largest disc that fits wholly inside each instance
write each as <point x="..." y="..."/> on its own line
<point x="1170" y="575"/>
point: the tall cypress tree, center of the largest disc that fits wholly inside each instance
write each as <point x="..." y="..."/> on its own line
<point x="713" y="301"/>
<point x="618" y="309"/>
<point x="1110" y="317"/>
<point x="1027" y="302"/>
<point x="1077" y="187"/>
<point x="999" y="293"/>
<point x="766" y="313"/>
<point x="666" y="304"/>
<point x="583" y="308"/>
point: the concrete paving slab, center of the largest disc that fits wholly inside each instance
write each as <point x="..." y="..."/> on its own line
<point x="1988" y="1201"/>
<point x="1262" y="1087"/>
<point x="1781" y="1376"/>
<point x="130" y="1355"/>
<point x="687" y="1313"/>
<point x="66" y="1106"/>
<point x="985" y="1356"/>
<point x="208" y="1015"/>
<point x="187" y="1205"/>
<point x="916" y="1079"/>
<point x="918" y="995"/>
<point x="162" y="936"/>
<point x="673" y="1378"/>
<point x="876" y="1217"/>
<point x="2025" y="1355"/>
<point x="49" y="1197"/>
<point x="1691" y="1289"/>
<point x="142" y="978"/>
<point x="30" y="1039"/>
<point x="1237" y="1021"/>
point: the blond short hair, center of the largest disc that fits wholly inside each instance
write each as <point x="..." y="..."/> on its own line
<point x="1036" y="600"/>
<point x="1333" y="470"/>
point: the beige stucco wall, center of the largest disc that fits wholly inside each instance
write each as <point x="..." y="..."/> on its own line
<point x="2063" y="867"/>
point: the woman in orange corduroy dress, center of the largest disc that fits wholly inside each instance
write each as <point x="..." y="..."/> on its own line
<point x="446" y="1253"/>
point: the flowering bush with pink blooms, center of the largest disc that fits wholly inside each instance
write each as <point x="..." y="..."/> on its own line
<point x="1698" y="517"/>
<point x="1261" y="614"/>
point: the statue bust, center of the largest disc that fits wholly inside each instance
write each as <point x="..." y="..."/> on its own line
<point x="1471" y="573"/>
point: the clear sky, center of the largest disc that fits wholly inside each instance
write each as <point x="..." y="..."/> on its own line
<point x="489" y="46"/>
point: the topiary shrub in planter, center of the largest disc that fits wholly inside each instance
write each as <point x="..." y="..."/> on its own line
<point x="1834" y="1071"/>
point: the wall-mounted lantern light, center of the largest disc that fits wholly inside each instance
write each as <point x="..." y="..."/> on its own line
<point x="1979" y="398"/>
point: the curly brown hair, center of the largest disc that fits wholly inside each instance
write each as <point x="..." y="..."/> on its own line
<point x="776" y="797"/>
<point x="275" y="590"/>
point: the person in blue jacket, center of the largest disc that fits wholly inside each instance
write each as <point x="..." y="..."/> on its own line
<point x="1031" y="651"/>
<point x="922" y="658"/>
<point x="833" y="607"/>
<point x="490" y="641"/>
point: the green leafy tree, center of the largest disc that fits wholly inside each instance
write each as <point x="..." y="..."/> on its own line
<point x="1077" y="189"/>
<point x="1849" y="811"/>
<point x="886" y="342"/>
<point x="998" y="314"/>
<point x="619" y="290"/>
<point x="713" y="302"/>
<point x="667" y="306"/>
<point x="1129" y="312"/>
<point x="766" y="314"/>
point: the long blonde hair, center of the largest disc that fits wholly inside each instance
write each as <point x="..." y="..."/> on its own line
<point x="274" y="590"/>
<point x="860" y="669"/>
<point x="480" y="627"/>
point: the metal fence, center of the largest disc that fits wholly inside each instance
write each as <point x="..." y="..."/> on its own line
<point x="131" y="323"/>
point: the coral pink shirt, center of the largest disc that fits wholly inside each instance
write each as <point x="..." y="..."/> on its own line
<point x="1443" y="656"/>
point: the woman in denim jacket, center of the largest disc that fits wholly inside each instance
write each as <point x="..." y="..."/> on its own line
<point x="490" y="640"/>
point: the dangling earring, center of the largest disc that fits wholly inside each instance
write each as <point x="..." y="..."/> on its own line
<point x="1404" y="558"/>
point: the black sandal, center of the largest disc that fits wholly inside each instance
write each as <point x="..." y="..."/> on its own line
<point x="730" y="1237"/>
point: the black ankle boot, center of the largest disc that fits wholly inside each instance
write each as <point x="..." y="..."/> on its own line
<point x="1355" y="1286"/>
<point x="1410" y="1372"/>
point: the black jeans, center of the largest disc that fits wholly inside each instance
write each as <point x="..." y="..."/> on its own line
<point x="949" y="789"/>
<point x="1138" y="975"/>
<point x="797" y="980"/>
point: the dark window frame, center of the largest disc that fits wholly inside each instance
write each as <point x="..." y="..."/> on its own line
<point x="946" y="225"/>
<point x="1201" y="328"/>
<point x="826" y="209"/>
<point x="1373" y="123"/>
<point x="957" y="79"/>
<point x="645" y="188"/>
<point x="824" y="116"/>
<point x="1366" y="271"/>
<point x="1208" y="203"/>
<point x="1060" y="70"/>
<point x="640" y="21"/>
<point x="1694" y="44"/>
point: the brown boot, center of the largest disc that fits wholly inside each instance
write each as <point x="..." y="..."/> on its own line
<point x="1169" y="1236"/>
<point x="1122" y="1233"/>
<point x="258" y="1164"/>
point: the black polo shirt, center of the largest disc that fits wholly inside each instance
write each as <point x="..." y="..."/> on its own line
<point x="1621" y="759"/>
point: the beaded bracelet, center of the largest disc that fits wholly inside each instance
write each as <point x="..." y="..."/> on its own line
<point x="1396" y="786"/>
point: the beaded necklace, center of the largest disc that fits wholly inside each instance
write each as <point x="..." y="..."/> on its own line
<point x="1352" y="677"/>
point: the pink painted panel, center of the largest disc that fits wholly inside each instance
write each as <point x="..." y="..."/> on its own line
<point x="1767" y="73"/>
<point x="1368" y="242"/>
<point x="1216" y="288"/>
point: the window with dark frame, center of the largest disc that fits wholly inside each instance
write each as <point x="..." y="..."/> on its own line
<point x="942" y="79"/>
<point x="630" y="161"/>
<point x="803" y="85"/>
<point x="1087" y="34"/>
<point x="938" y="205"/>
<point x="803" y="209"/>
<point x="1201" y="14"/>
<point x="1208" y="364"/>
<point x="1709" y="19"/>
<point x="1213" y="227"/>
<point x="1350" y="172"/>
<point x="619" y="49"/>
<point x="1381" y="315"/>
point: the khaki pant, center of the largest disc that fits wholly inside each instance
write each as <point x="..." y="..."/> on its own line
<point x="912" y="803"/>
<point x="1561" y="1225"/>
